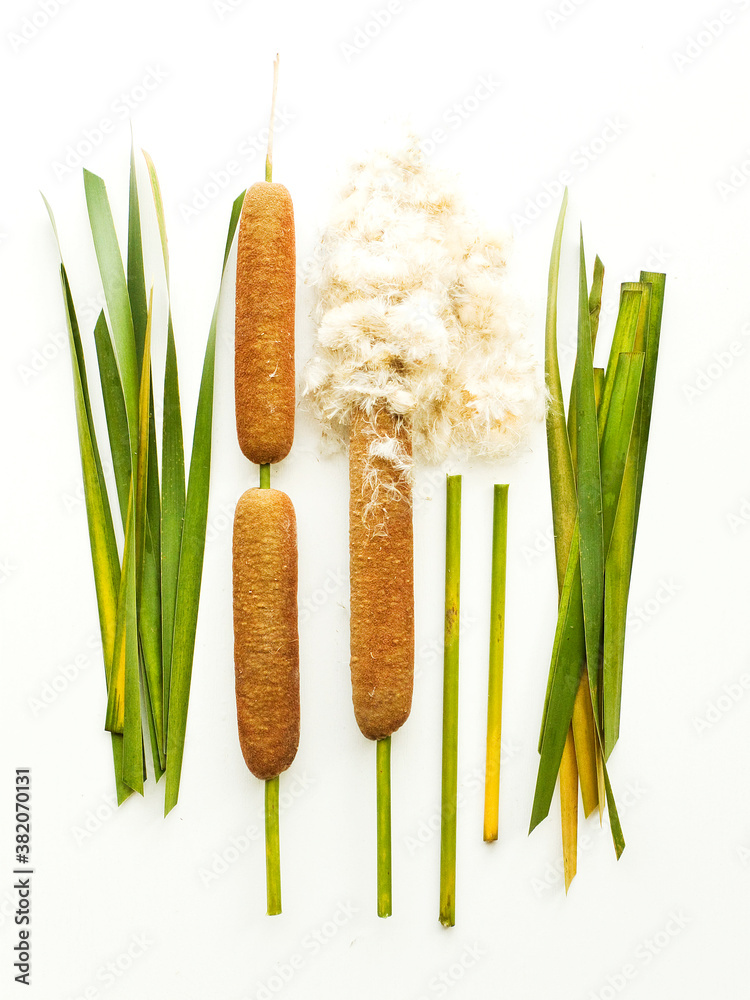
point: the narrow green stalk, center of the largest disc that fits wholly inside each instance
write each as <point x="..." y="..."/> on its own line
<point x="273" y="852"/>
<point x="383" y="757"/>
<point x="450" y="704"/>
<point x="497" y="646"/>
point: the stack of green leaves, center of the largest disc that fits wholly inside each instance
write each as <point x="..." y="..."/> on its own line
<point x="597" y="459"/>
<point x="148" y="591"/>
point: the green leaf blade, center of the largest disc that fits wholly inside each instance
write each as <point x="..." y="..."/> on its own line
<point x="115" y="292"/>
<point x="191" y="555"/>
<point x="115" y="412"/>
<point x="589" y="490"/>
<point x="562" y="478"/>
<point x="568" y="661"/>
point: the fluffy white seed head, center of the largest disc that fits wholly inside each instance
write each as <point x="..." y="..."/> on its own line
<point x="415" y="315"/>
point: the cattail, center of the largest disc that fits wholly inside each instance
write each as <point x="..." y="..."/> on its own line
<point x="381" y="577"/>
<point x="266" y="646"/>
<point x="264" y="324"/>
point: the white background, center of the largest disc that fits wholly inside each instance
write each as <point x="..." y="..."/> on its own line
<point x="674" y="910"/>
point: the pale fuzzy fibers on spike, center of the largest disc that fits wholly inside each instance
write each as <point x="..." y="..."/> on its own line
<point x="415" y="315"/>
<point x="381" y="573"/>
<point x="266" y="646"/>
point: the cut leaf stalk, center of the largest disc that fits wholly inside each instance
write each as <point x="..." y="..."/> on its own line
<point x="497" y="647"/>
<point x="449" y="793"/>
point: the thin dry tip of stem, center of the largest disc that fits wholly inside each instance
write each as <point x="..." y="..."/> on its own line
<point x="269" y="153"/>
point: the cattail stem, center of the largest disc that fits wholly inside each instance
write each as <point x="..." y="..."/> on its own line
<point x="383" y="759"/>
<point x="450" y="704"/>
<point x="273" y="852"/>
<point x="497" y="646"/>
<point x="269" y="153"/>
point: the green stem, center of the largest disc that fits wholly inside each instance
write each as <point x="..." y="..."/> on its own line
<point x="273" y="853"/>
<point x="497" y="645"/>
<point x="383" y="757"/>
<point x="450" y="704"/>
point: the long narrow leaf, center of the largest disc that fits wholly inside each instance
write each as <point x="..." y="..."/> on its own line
<point x="657" y="281"/>
<point x="191" y="557"/>
<point x="157" y="752"/>
<point x="569" y="651"/>
<point x="115" y="292"/>
<point x="127" y="660"/>
<point x="617" y="436"/>
<point x="595" y="306"/>
<point x="115" y="716"/>
<point x="136" y="281"/>
<point x="139" y="309"/>
<point x="623" y="342"/>
<point x="115" y="412"/>
<point x="561" y="471"/>
<point x="149" y="602"/>
<point x="620" y="557"/>
<point x="568" y="660"/>
<point x="172" y="508"/>
<point x="589" y="490"/>
<point x="173" y="471"/>
<point x="133" y="756"/>
<point x="105" y="559"/>
<point x="562" y="479"/>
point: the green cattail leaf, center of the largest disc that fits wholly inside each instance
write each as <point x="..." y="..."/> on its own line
<point x="172" y="507"/>
<point x="159" y="206"/>
<point x="595" y="299"/>
<point x="124" y="706"/>
<point x="101" y="529"/>
<point x="589" y="482"/>
<point x="562" y="479"/>
<point x="136" y="281"/>
<point x="116" y="294"/>
<point x="569" y="648"/>
<point x="150" y="634"/>
<point x="657" y="282"/>
<point x="616" y="439"/>
<point x="104" y="556"/>
<point x="561" y="469"/>
<point x="139" y="310"/>
<point x="148" y="589"/>
<point x="114" y="409"/>
<point x="133" y="755"/>
<point x="595" y="307"/>
<point x="172" y="502"/>
<point x="619" y="564"/>
<point x="234" y="218"/>
<point x="141" y="481"/>
<point x="191" y="557"/>
<point x="568" y="661"/>
<point x="151" y="713"/>
<point x="115" y="718"/>
<point x="619" y="498"/>
<point x="630" y="319"/>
